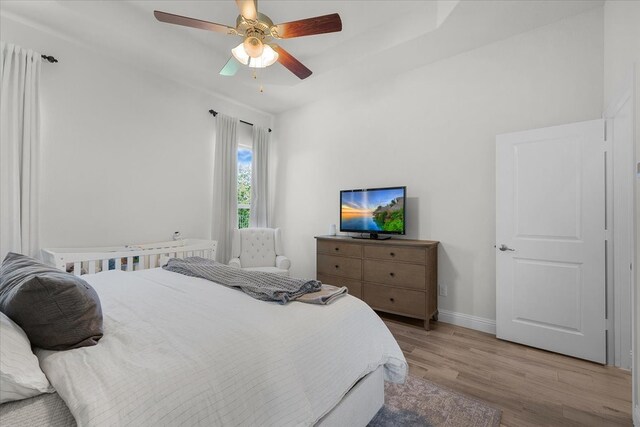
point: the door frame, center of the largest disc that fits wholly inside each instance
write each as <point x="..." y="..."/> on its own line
<point x="619" y="305"/>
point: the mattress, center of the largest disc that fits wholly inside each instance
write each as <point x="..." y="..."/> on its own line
<point x="183" y="350"/>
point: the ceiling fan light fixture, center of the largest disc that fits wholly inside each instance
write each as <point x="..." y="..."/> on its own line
<point x="253" y="46"/>
<point x="240" y="54"/>
<point x="268" y="57"/>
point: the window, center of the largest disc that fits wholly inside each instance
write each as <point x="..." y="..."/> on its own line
<point x="244" y="185"/>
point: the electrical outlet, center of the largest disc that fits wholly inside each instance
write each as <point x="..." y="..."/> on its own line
<point x="442" y="290"/>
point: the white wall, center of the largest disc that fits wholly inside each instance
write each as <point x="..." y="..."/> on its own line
<point x="621" y="45"/>
<point x="433" y="129"/>
<point x="127" y="154"/>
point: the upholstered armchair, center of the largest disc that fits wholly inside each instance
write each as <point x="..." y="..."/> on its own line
<point x="259" y="249"/>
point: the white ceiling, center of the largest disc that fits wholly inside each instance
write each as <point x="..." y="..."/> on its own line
<point x="379" y="38"/>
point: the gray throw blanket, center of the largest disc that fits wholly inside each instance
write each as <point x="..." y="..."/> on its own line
<point x="259" y="285"/>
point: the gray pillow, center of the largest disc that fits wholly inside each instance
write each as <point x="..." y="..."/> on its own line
<point x="57" y="310"/>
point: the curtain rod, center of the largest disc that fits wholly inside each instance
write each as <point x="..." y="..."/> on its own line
<point x="49" y="58"/>
<point x="215" y="113"/>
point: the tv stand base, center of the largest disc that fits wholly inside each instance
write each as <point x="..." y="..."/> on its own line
<point x="372" y="236"/>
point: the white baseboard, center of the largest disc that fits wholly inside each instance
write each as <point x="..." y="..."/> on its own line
<point x="467" y="321"/>
<point x="636" y="416"/>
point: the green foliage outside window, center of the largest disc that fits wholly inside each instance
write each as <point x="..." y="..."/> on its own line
<point x="243" y="218"/>
<point x="244" y="194"/>
<point x="244" y="185"/>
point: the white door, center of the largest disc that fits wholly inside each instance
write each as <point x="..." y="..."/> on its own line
<point x="550" y="239"/>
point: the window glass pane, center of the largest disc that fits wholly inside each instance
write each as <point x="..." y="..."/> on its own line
<point x="244" y="186"/>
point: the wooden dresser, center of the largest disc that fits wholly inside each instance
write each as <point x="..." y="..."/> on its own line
<point x="396" y="276"/>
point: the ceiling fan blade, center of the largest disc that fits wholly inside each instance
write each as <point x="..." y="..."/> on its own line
<point x="248" y="8"/>
<point x="170" y="18"/>
<point x="230" y="68"/>
<point x="308" y="27"/>
<point x="291" y="63"/>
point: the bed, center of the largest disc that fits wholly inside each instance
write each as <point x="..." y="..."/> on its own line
<point x="179" y="350"/>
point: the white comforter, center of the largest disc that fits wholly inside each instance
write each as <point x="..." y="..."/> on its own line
<point x="180" y="350"/>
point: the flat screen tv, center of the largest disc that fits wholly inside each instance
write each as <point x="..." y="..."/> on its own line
<point x="373" y="210"/>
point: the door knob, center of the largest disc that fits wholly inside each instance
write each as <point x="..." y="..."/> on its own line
<point x="504" y="247"/>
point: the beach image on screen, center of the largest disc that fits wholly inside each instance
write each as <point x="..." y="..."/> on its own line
<point x="373" y="210"/>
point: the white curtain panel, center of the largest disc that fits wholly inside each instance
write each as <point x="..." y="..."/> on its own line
<point x="225" y="185"/>
<point x="258" y="216"/>
<point x="19" y="149"/>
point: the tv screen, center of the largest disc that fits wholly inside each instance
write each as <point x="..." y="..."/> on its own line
<point x="374" y="210"/>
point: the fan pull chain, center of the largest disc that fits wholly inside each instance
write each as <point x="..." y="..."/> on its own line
<point x="255" y="77"/>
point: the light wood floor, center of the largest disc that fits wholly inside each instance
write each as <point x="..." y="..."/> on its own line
<point x="531" y="386"/>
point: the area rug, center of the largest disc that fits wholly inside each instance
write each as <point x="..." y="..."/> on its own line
<point x="419" y="402"/>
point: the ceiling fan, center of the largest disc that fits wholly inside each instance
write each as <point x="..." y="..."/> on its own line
<point x="258" y="49"/>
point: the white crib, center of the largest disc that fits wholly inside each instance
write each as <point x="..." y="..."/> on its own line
<point x="128" y="258"/>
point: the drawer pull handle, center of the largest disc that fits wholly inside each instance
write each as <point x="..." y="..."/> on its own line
<point x="337" y="249"/>
<point x="392" y="254"/>
<point x="337" y="266"/>
<point x="391" y="299"/>
<point x="392" y="274"/>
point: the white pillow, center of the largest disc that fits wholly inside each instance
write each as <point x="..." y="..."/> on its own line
<point x="20" y="373"/>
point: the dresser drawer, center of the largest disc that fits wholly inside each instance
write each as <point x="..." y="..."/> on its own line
<point x="396" y="253"/>
<point x="405" y="275"/>
<point x="354" y="286"/>
<point x="339" y="248"/>
<point x="339" y="266"/>
<point x="394" y="300"/>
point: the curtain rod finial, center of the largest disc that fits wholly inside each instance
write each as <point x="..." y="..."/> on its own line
<point x="49" y="58"/>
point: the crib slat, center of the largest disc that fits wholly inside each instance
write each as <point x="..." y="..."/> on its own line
<point x="129" y="263"/>
<point x="105" y="265"/>
<point x="77" y="268"/>
<point x="142" y="262"/>
<point x="153" y="259"/>
<point x="118" y="264"/>
<point x="92" y="267"/>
